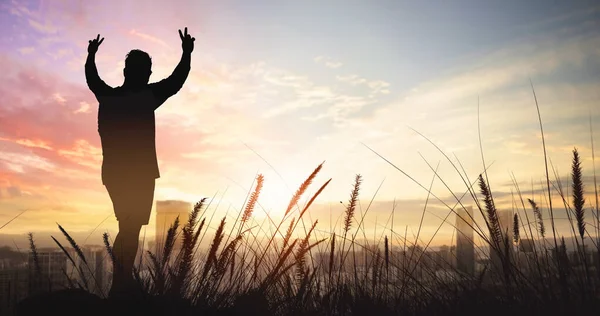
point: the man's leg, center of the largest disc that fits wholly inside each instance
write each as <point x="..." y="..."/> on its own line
<point x="132" y="203"/>
<point x="125" y="250"/>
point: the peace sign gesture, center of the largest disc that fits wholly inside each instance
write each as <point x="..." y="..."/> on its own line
<point x="93" y="44"/>
<point x="187" y="41"/>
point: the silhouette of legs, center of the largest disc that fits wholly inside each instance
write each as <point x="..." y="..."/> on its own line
<point x="132" y="202"/>
<point x="125" y="250"/>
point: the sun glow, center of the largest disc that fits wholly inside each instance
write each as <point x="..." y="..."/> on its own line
<point x="277" y="193"/>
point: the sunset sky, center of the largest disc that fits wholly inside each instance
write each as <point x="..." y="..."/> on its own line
<point x="277" y="87"/>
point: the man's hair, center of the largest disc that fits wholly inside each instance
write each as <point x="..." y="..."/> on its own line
<point x="138" y="60"/>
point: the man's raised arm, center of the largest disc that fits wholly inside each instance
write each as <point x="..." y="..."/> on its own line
<point x="166" y="88"/>
<point x="97" y="85"/>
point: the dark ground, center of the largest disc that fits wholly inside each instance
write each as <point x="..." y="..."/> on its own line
<point x="80" y="302"/>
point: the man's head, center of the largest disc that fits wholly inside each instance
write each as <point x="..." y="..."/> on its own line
<point x="138" y="67"/>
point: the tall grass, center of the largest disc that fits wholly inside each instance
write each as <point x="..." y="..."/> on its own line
<point x="382" y="280"/>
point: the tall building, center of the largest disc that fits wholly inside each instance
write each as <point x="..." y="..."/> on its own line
<point x="52" y="266"/>
<point x="14" y="286"/>
<point x="505" y="219"/>
<point x="95" y="271"/>
<point x="506" y="224"/>
<point x="166" y="213"/>
<point x="444" y="258"/>
<point x="465" y="247"/>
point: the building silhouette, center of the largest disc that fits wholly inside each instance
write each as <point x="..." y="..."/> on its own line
<point x="505" y="221"/>
<point x="50" y="276"/>
<point x="465" y="247"/>
<point x="166" y="213"/>
<point x="506" y="224"/>
<point x="444" y="257"/>
<point x="14" y="285"/>
<point x="95" y="270"/>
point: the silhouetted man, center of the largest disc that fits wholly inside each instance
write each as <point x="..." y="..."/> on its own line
<point x="127" y="131"/>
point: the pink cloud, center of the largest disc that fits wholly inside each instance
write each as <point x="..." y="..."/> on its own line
<point x="43" y="28"/>
<point x="149" y="38"/>
<point x="54" y="120"/>
<point x="39" y="106"/>
<point x="26" y="50"/>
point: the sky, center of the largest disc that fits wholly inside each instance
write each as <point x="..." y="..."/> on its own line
<point x="278" y="87"/>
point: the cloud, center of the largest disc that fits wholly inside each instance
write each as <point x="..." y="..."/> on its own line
<point x="375" y="86"/>
<point x="379" y="86"/>
<point x="33" y="143"/>
<point x="46" y="28"/>
<point x="304" y="96"/>
<point x="149" y="38"/>
<point x="26" y="50"/>
<point x="342" y="106"/>
<point x="352" y="79"/>
<point x="501" y="82"/>
<point x="31" y="110"/>
<point x="20" y="10"/>
<point x="61" y="53"/>
<point x="284" y="78"/>
<point x="14" y="191"/>
<point x="59" y="98"/>
<point x="319" y="102"/>
<point x="504" y="68"/>
<point x="52" y="18"/>
<point x="84" y="154"/>
<point x="328" y="62"/>
<point x="333" y="64"/>
<point x="84" y="108"/>
<point x="22" y="162"/>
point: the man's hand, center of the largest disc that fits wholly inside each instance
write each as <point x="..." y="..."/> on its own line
<point x="93" y="46"/>
<point x="187" y="42"/>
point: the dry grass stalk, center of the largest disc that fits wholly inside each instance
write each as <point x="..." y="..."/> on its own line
<point x="169" y="242"/>
<point x="540" y="219"/>
<point x="492" y="214"/>
<point x="578" y="194"/>
<point x="212" y="253"/>
<point x="516" y="230"/>
<point x="351" y="208"/>
<point x="253" y="199"/>
<point x="73" y="244"/>
<point x="303" y="187"/>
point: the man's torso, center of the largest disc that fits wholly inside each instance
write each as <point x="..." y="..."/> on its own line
<point x="126" y="126"/>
